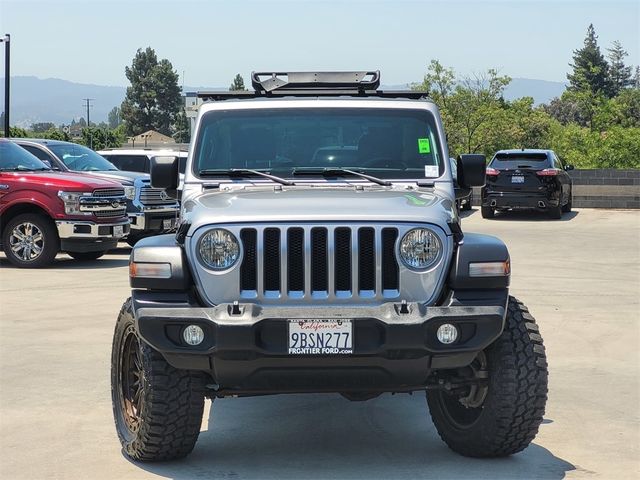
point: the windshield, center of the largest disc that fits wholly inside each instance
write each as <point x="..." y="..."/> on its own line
<point x="15" y="158"/>
<point x="387" y="143"/>
<point x="80" y="158"/>
<point x="512" y="161"/>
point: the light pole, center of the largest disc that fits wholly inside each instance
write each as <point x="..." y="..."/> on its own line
<point x="7" y="81"/>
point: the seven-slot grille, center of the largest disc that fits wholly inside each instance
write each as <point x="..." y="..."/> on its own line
<point x="155" y="196"/>
<point x="319" y="261"/>
<point x="108" y="192"/>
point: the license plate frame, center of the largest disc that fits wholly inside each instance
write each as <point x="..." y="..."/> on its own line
<point x="320" y="336"/>
<point x="118" y="230"/>
<point x="517" y="179"/>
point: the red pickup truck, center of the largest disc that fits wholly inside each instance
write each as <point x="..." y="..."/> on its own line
<point x="43" y="212"/>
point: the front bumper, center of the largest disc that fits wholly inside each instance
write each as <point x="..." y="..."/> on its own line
<point x="84" y="236"/>
<point x="153" y="221"/>
<point x="519" y="199"/>
<point x="247" y="352"/>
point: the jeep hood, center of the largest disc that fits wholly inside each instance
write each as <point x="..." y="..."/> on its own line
<point x="320" y="204"/>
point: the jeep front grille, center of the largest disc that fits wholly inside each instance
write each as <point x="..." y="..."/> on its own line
<point x="319" y="262"/>
<point x="155" y="196"/>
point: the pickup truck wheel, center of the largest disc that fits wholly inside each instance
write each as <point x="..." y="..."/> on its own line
<point x="157" y="408"/>
<point x="503" y="417"/>
<point x="487" y="212"/>
<point x="30" y="240"/>
<point x="85" y="256"/>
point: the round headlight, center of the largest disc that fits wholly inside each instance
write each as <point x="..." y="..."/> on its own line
<point x="420" y="248"/>
<point x="218" y="249"/>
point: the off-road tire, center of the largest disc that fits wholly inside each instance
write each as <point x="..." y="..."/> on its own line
<point x="515" y="401"/>
<point x="487" y="212"/>
<point x="50" y="242"/>
<point x="555" y="213"/>
<point x="85" y="256"/>
<point x="171" y="401"/>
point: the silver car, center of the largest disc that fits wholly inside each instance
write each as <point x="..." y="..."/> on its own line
<point x="319" y="249"/>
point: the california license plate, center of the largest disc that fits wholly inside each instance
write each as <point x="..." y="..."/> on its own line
<point x="118" y="230"/>
<point x="517" y="179"/>
<point x="320" y="337"/>
<point x="167" y="224"/>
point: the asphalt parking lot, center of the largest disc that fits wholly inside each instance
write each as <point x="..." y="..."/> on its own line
<point x="580" y="278"/>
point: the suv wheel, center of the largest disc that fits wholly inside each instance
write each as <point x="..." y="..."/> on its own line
<point x="30" y="241"/>
<point x="502" y="417"/>
<point x="85" y="256"/>
<point x="555" y="212"/>
<point x="567" y="207"/>
<point x="487" y="212"/>
<point x="157" y="408"/>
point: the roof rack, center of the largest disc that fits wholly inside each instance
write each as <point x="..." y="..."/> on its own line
<point x="313" y="84"/>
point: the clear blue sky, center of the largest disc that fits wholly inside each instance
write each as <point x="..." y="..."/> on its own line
<point x="91" y="41"/>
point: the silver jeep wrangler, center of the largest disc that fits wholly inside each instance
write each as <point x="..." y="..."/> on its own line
<point x="319" y="250"/>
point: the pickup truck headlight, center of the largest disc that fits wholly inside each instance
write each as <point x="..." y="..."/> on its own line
<point x="71" y="202"/>
<point x="218" y="249"/>
<point x="130" y="192"/>
<point x="420" y="248"/>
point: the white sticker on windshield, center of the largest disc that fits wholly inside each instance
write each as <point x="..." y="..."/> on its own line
<point x="431" y="171"/>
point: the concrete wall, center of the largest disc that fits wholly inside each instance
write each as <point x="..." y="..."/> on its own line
<point x="601" y="188"/>
<point x="606" y="188"/>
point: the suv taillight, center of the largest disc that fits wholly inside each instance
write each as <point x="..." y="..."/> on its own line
<point x="547" y="172"/>
<point x="492" y="172"/>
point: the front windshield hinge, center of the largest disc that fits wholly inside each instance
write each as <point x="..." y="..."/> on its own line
<point x="277" y="188"/>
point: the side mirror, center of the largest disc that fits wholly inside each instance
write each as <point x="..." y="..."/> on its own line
<point x="164" y="174"/>
<point x="569" y="168"/>
<point x="471" y="170"/>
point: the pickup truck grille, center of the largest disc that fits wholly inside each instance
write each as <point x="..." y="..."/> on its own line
<point x="108" y="192"/>
<point x="110" y="213"/>
<point x="155" y="196"/>
<point x="319" y="262"/>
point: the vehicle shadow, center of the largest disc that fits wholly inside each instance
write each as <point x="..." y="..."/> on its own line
<point x="327" y="436"/>
<point x="532" y="216"/>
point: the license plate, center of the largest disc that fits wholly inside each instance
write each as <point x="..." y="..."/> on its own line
<point x="320" y="337"/>
<point x="118" y="230"/>
<point x="517" y="179"/>
<point x="167" y="224"/>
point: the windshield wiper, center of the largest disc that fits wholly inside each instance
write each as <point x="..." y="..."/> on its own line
<point x="242" y="172"/>
<point x="328" y="171"/>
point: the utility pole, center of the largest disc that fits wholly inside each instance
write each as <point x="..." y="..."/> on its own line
<point x="7" y="81"/>
<point x="87" y="100"/>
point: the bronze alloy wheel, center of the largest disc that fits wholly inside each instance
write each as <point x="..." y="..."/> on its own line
<point x="464" y="410"/>
<point x="130" y="376"/>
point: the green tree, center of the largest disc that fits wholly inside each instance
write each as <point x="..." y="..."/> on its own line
<point x="153" y="100"/>
<point x="590" y="69"/>
<point x="114" y="118"/>
<point x="100" y="138"/>
<point x="182" y="129"/>
<point x="620" y="75"/>
<point x="55" y="134"/>
<point x="42" y="127"/>
<point x="237" y="84"/>
<point x="17" y="132"/>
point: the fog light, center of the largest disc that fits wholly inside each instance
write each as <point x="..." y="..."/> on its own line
<point x="447" y="333"/>
<point x="193" y="335"/>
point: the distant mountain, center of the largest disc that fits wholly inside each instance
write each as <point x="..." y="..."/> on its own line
<point x="59" y="101"/>
<point x="542" y="91"/>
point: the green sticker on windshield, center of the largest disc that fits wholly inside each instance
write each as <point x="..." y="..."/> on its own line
<point x="423" y="145"/>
